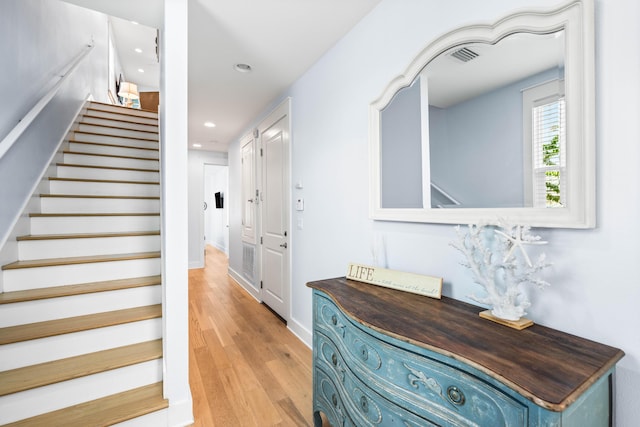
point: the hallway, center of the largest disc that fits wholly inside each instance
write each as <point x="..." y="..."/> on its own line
<point x="246" y="367"/>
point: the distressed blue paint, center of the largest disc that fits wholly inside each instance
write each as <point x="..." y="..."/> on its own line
<point x="362" y="377"/>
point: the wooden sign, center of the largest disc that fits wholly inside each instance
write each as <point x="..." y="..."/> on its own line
<point x="409" y="282"/>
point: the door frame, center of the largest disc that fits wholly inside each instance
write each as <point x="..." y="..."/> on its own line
<point x="211" y="204"/>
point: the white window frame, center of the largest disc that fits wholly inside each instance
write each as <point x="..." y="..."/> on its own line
<point x="533" y="97"/>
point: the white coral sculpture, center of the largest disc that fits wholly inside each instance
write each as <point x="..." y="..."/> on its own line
<point x="499" y="263"/>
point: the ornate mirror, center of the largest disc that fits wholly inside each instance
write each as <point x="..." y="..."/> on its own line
<point x="492" y="122"/>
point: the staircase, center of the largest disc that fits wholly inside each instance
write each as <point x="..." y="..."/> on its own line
<point x="80" y="316"/>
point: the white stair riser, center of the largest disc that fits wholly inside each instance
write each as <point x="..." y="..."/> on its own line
<point x="128" y="133"/>
<point x="78" y="305"/>
<point x="92" y="188"/>
<point x="21" y="354"/>
<point x="114" y="140"/>
<point x="78" y="172"/>
<point x="97" y="205"/>
<point x="114" y="162"/>
<point x="153" y="127"/>
<point x="121" y="117"/>
<point x="43" y="277"/>
<point x="41" y="400"/>
<point x="94" y="224"/>
<point x="122" y="110"/>
<point x="157" y="418"/>
<point x="78" y="147"/>
<point x="61" y="248"/>
<point x="121" y="142"/>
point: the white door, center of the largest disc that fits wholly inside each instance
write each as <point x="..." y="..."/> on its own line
<point x="275" y="258"/>
<point x="248" y="189"/>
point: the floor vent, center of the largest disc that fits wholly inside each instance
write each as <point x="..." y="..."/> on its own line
<point x="248" y="261"/>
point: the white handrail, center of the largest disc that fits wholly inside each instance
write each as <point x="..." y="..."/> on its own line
<point x="15" y="133"/>
<point x="445" y="194"/>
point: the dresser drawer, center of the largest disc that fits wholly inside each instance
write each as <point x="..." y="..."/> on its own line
<point x="348" y="401"/>
<point x="424" y="385"/>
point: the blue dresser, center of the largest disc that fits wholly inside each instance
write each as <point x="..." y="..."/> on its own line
<point x="382" y="357"/>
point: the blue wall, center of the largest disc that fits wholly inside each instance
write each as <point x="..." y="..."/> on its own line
<point x="594" y="289"/>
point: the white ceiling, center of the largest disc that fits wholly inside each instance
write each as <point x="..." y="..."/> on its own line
<point x="280" y="39"/>
<point x="515" y="57"/>
<point x="128" y="37"/>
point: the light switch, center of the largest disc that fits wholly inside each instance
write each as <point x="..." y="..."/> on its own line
<point x="300" y="204"/>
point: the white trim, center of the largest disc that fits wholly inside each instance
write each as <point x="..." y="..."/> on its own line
<point x="173" y="127"/>
<point x="302" y="333"/>
<point x="244" y="284"/>
<point x="424" y="145"/>
<point x="577" y="18"/>
<point x="180" y="413"/>
<point x="195" y="264"/>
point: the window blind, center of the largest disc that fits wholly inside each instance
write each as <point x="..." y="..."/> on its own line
<point x="549" y="153"/>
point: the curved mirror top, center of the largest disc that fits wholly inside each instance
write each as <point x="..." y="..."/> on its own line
<point x="491" y="125"/>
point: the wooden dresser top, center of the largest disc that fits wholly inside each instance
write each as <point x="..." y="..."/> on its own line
<point x="549" y="367"/>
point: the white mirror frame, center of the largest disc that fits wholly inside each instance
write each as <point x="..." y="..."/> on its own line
<point x="577" y="18"/>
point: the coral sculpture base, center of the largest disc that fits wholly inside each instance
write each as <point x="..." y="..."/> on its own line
<point x="520" y="324"/>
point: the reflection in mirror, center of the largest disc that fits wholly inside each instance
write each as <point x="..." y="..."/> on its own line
<point x="492" y="122"/>
<point x="401" y="150"/>
<point x="476" y="140"/>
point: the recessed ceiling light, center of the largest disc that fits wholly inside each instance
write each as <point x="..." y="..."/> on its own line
<point x="210" y="124"/>
<point x="242" y="68"/>
<point x="140" y="70"/>
<point x="197" y="145"/>
<point x="138" y="50"/>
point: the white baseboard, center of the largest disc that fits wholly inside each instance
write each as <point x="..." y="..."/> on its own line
<point x="195" y="264"/>
<point x="238" y="278"/>
<point x="180" y="413"/>
<point x="301" y="332"/>
<point x="220" y="248"/>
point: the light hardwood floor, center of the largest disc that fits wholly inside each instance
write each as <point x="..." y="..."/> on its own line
<point x="246" y="367"/>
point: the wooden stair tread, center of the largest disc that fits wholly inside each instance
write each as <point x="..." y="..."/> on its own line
<point x="129" y="111"/>
<point x="86" y="235"/>
<point x="42" y="374"/>
<point x="74" y="215"/>
<point x="109" y="181"/>
<point x="82" y="132"/>
<point x="107" y="411"/>
<point x="116" y="127"/>
<point x="113" y="156"/>
<point x="79" y="289"/>
<point x="91" y="114"/>
<point x="32" y="331"/>
<point x="91" y="196"/>
<point x="76" y="165"/>
<point x="112" y="145"/>
<point x="53" y="262"/>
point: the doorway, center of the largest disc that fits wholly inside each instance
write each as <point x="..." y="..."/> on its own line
<point x="216" y="209"/>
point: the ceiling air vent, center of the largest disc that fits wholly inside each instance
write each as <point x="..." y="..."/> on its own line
<point x="464" y="54"/>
